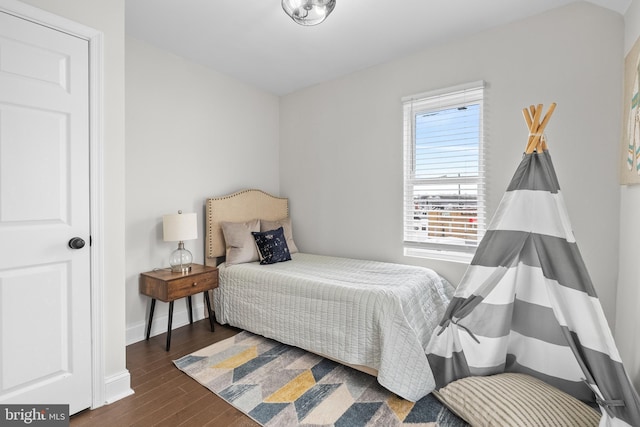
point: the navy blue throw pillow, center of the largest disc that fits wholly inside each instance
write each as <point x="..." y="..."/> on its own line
<point x="272" y="246"/>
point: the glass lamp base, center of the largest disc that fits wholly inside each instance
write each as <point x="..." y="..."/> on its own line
<point x="180" y="260"/>
<point x="180" y="268"/>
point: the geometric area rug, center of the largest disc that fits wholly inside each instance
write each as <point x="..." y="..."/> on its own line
<point x="279" y="385"/>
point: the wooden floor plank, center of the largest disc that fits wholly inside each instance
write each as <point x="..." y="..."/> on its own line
<point x="179" y="416"/>
<point x="164" y="395"/>
<point x="210" y="412"/>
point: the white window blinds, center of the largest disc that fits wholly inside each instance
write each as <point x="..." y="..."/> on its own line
<point x="444" y="170"/>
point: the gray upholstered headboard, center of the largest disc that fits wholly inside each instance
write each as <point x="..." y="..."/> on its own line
<point x="238" y="207"/>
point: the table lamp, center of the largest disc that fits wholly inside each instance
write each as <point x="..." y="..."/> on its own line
<point x="178" y="228"/>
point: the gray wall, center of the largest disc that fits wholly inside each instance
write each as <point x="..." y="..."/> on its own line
<point x="627" y="319"/>
<point x="341" y="142"/>
<point x="192" y="133"/>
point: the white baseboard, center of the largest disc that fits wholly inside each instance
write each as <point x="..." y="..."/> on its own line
<point x="117" y="386"/>
<point x="136" y="332"/>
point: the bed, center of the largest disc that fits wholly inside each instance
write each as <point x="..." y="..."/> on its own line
<point x="374" y="316"/>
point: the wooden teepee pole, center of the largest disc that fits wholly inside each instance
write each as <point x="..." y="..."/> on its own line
<point x="536" y="127"/>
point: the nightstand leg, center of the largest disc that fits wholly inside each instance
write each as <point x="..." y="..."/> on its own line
<point x="153" y="305"/>
<point x="169" y="327"/>
<point x="206" y="298"/>
<point x="190" y="309"/>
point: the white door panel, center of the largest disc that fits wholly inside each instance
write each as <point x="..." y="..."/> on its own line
<point x="51" y="283"/>
<point x="19" y="58"/>
<point x="45" y="323"/>
<point x="29" y="161"/>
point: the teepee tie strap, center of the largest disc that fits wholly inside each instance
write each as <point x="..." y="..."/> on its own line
<point x="608" y="403"/>
<point x="464" y="328"/>
<point x="600" y="400"/>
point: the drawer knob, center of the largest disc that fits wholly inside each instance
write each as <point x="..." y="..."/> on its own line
<point x="194" y="283"/>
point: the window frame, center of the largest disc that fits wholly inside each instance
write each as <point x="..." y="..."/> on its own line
<point x="429" y="102"/>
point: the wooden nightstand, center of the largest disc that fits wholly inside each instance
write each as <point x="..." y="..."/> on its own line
<point x="168" y="287"/>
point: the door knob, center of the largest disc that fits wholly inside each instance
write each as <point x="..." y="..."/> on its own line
<point x="76" y="243"/>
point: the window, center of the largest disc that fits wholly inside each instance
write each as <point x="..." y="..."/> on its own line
<point x="444" y="212"/>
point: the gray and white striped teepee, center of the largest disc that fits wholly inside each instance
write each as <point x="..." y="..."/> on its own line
<point x="526" y="303"/>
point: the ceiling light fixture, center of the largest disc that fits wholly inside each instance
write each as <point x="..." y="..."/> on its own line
<point x="308" y="12"/>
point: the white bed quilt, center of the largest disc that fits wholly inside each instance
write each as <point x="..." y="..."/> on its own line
<point x="375" y="314"/>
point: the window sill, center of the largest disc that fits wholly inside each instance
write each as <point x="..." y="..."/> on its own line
<point x="440" y="255"/>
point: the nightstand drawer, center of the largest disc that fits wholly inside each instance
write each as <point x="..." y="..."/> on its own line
<point x="191" y="285"/>
<point x="167" y="286"/>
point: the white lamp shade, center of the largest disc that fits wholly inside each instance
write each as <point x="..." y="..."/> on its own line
<point x="180" y="227"/>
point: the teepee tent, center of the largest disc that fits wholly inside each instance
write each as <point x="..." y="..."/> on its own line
<point x="526" y="303"/>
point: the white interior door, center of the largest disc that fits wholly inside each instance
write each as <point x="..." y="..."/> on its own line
<point x="45" y="317"/>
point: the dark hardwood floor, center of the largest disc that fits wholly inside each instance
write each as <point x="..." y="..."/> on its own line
<point x="164" y="395"/>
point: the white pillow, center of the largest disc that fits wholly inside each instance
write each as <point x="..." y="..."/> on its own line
<point x="241" y="246"/>
<point x="285" y="223"/>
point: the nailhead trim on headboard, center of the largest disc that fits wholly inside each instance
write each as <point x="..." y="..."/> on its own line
<point x="241" y="206"/>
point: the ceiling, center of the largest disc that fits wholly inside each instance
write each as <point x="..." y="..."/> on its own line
<point x="256" y="42"/>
